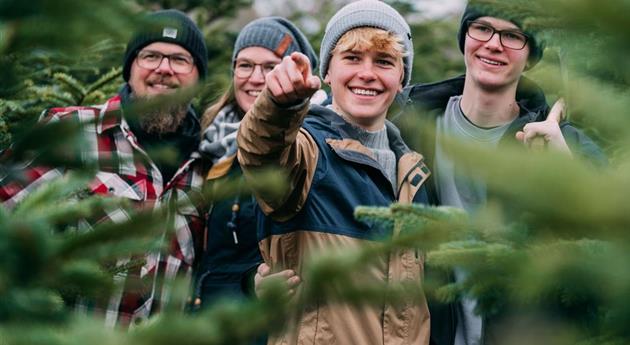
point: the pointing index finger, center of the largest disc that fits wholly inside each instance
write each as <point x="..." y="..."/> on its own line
<point x="303" y="64"/>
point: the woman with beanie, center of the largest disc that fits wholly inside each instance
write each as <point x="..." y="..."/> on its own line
<point x="337" y="158"/>
<point x="230" y="249"/>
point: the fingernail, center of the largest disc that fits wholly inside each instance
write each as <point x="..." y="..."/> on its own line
<point x="294" y="281"/>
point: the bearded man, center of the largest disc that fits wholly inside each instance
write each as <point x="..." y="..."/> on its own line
<point x="166" y="54"/>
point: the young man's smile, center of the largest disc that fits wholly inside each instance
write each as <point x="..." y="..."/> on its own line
<point x="490" y="64"/>
<point x="364" y="84"/>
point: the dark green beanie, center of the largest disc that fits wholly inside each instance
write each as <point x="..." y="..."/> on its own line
<point x="474" y="11"/>
<point x="170" y="26"/>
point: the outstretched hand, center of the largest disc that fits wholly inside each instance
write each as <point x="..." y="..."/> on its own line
<point x="537" y="135"/>
<point x="291" y="81"/>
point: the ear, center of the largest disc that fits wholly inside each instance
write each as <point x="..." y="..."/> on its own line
<point x="327" y="79"/>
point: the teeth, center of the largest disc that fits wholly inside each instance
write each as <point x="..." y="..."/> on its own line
<point x="364" y="92"/>
<point x="254" y="93"/>
<point x="496" y="63"/>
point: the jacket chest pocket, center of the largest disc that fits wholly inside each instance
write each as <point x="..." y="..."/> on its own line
<point x="107" y="183"/>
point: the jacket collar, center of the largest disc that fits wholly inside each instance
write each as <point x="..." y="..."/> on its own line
<point x="529" y="96"/>
<point x="345" y="130"/>
<point x="411" y="170"/>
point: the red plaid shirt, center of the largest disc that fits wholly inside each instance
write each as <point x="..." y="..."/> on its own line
<point x="125" y="170"/>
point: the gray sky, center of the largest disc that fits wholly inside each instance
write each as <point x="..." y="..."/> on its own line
<point x="429" y="8"/>
<point x="440" y="8"/>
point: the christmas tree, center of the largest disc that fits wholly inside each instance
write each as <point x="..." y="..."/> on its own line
<point x="546" y="257"/>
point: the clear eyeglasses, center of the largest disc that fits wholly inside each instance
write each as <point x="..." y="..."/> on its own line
<point x="245" y="68"/>
<point x="180" y="63"/>
<point x="512" y="39"/>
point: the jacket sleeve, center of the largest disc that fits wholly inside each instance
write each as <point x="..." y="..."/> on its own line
<point x="583" y="146"/>
<point x="270" y="136"/>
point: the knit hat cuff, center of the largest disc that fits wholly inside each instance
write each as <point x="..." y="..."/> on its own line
<point x="278" y="35"/>
<point x="169" y="26"/>
<point x="382" y="16"/>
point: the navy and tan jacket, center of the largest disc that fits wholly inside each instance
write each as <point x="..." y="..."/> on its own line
<point x="330" y="174"/>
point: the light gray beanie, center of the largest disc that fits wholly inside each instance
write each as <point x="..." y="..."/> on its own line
<point x="277" y="34"/>
<point x="370" y="13"/>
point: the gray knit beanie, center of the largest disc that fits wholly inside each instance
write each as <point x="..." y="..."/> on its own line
<point x="366" y="13"/>
<point x="170" y="26"/>
<point x="276" y="34"/>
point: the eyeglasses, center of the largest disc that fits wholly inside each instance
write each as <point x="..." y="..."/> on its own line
<point x="245" y="68"/>
<point x="179" y="63"/>
<point x="482" y="32"/>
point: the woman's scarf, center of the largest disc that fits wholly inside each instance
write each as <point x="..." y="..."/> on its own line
<point x="219" y="139"/>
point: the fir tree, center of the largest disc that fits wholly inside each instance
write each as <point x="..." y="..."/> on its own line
<point x="553" y="246"/>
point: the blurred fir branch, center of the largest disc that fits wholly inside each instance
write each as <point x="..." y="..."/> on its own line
<point x="571" y="197"/>
<point x="38" y="270"/>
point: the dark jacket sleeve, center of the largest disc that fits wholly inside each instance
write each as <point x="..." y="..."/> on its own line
<point x="583" y="146"/>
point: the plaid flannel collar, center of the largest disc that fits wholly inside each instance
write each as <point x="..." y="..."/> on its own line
<point x="111" y="115"/>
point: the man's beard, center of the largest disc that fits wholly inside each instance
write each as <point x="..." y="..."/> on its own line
<point x="162" y="119"/>
<point x="166" y="119"/>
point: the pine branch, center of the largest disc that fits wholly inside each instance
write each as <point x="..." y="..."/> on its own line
<point x="47" y="197"/>
<point x="139" y="225"/>
<point x="83" y="278"/>
<point x="7" y="106"/>
<point x="51" y="96"/>
<point x="95" y="97"/>
<point x="107" y="78"/>
<point x="74" y="87"/>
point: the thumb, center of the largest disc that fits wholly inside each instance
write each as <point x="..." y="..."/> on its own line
<point x="303" y="64"/>
<point x="520" y="136"/>
<point x="264" y="269"/>
<point x="557" y="114"/>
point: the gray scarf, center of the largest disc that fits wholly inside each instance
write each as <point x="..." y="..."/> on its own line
<point x="219" y="139"/>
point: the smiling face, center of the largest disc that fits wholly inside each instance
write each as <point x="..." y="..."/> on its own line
<point x="250" y="67"/>
<point x="490" y="65"/>
<point x="364" y="74"/>
<point x="162" y="79"/>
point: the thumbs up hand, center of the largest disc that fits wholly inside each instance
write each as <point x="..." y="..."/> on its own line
<point x="291" y="81"/>
<point x="537" y="135"/>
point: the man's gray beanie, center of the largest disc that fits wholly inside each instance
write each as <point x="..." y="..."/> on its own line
<point x="276" y="34"/>
<point x="366" y="13"/>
